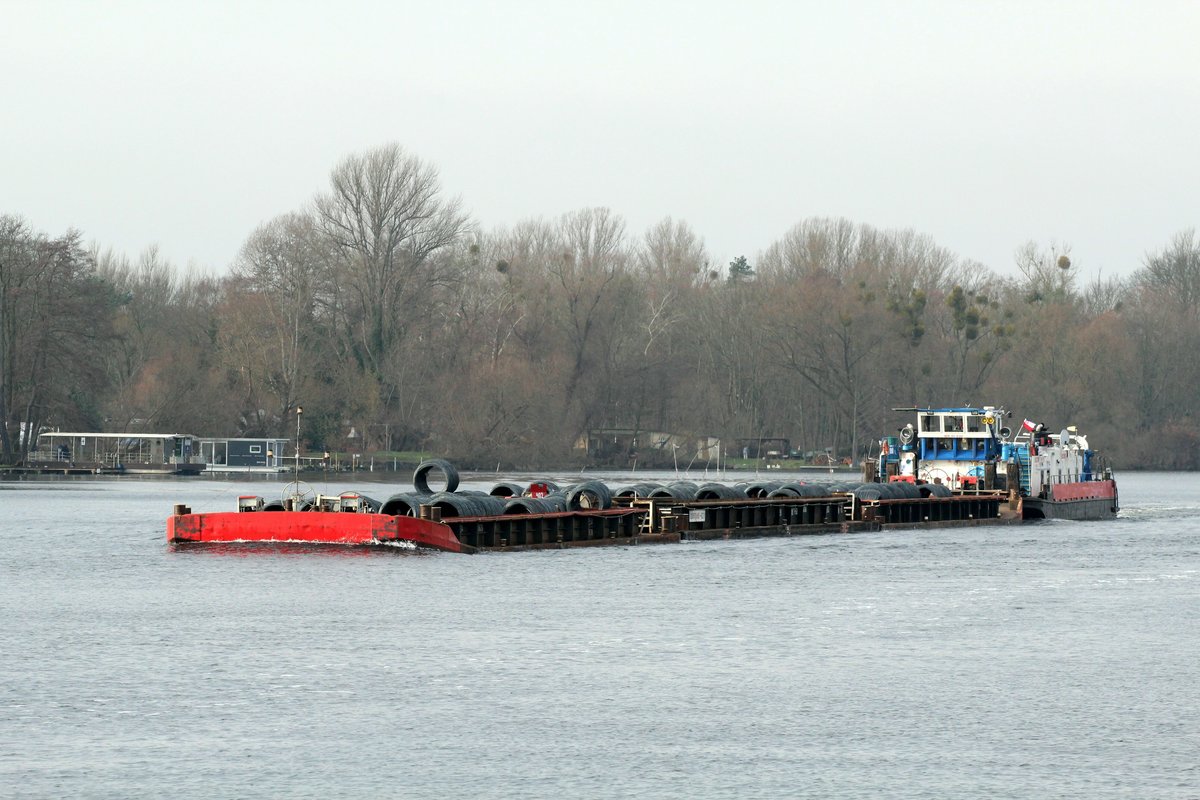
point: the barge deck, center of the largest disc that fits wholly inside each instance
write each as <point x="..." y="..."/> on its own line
<point x="634" y="521"/>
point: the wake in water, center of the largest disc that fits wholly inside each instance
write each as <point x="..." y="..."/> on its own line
<point x="1142" y="513"/>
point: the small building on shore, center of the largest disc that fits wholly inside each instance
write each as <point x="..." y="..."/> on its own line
<point x="618" y="445"/>
<point x="117" y="453"/>
<point x="248" y="454"/>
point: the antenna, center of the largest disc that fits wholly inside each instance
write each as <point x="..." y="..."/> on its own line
<point x="299" y="411"/>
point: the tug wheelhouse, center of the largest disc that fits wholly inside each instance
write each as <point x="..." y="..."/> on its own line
<point x="951" y="446"/>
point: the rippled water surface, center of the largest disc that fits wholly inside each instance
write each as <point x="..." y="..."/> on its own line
<point x="1059" y="659"/>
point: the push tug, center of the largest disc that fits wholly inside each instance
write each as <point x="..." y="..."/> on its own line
<point x="969" y="449"/>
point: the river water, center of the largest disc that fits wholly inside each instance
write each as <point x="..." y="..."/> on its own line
<point x="1059" y="659"/>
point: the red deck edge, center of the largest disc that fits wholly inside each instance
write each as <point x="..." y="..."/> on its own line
<point x="317" y="527"/>
<point x="1084" y="490"/>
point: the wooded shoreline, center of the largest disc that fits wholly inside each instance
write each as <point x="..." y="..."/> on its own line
<point x="397" y="323"/>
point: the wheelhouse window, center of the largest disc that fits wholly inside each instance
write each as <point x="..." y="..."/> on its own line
<point x="930" y="423"/>
<point x="954" y="423"/>
<point x="975" y="423"/>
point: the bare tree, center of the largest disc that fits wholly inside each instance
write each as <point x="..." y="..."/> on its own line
<point x="1103" y="295"/>
<point x="594" y="255"/>
<point x="978" y="331"/>
<point x="386" y="216"/>
<point x="146" y="328"/>
<point x="1174" y="271"/>
<point x="1049" y="273"/>
<point x="55" y="313"/>
<point x="274" y="338"/>
<point x="810" y="247"/>
<point x="159" y="362"/>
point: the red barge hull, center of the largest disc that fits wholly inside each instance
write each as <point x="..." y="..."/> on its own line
<point x="312" y="527"/>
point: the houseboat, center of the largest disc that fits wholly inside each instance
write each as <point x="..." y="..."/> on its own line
<point x="245" y="455"/>
<point x="117" y="453"/>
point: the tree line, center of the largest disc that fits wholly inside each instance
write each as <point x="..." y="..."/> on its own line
<point x="397" y="323"/>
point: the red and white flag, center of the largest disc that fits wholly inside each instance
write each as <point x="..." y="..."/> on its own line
<point x="1028" y="425"/>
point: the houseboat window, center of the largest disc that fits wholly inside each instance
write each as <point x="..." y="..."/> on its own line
<point x="929" y="423"/>
<point x="954" y="423"/>
<point x="974" y="423"/>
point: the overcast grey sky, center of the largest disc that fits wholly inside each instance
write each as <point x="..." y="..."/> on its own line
<point x="984" y="125"/>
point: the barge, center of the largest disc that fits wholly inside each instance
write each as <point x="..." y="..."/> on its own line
<point x="953" y="467"/>
<point x="542" y="515"/>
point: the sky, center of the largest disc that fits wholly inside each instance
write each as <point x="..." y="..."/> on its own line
<point x="982" y="124"/>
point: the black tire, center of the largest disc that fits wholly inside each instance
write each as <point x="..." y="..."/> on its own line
<point x="762" y="488"/>
<point x="403" y="505"/>
<point x="869" y="491"/>
<point x="637" y="490"/>
<point x="550" y="504"/>
<point x="590" y="495"/>
<point x="462" y="505"/>
<point x="719" y="491"/>
<point x="679" y="490"/>
<point x="421" y="475"/>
